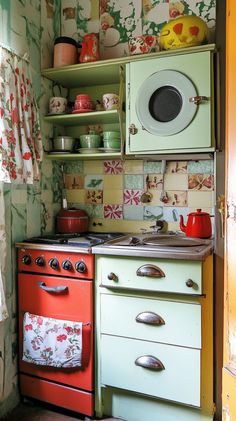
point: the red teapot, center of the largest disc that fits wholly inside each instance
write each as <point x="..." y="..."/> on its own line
<point x="198" y="224"/>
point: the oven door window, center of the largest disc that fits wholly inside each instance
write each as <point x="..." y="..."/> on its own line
<point x="162" y="104"/>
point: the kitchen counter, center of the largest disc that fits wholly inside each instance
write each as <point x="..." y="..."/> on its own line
<point x="165" y="246"/>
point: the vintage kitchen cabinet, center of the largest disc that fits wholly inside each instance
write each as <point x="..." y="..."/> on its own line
<point x="154" y="338"/>
<point x="170" y="104"/>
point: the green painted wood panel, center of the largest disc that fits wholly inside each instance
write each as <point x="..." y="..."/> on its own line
<point x="199" y="134"/>
<point x="182" y="321"/>
<point x="176" y="274"/>
<point x="179" y="381"/>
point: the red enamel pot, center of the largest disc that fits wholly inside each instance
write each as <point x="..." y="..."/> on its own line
<point x="72" y="221"/>
<point x="198" y="224"/>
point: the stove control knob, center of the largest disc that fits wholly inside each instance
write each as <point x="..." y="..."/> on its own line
<point x="53" y="263"/>
<point x="26" y="259"/>
<point x="80" y="267"/>
<point x="39" y="261"/>
<point x="67" y="265"/>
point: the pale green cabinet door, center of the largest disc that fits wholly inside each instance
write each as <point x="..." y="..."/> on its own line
<point x="178" y="380"/>
<point x="168" y="83"/>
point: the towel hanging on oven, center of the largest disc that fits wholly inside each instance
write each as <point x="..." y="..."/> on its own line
<point x="51" y="342"/>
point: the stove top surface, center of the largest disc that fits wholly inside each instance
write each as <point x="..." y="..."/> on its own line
<point x="76" y="239"/>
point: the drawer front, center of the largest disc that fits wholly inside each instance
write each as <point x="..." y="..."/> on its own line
<point x="152" y="320"/>
<point x="179" y="380"/>
<point x="160" y="275"/>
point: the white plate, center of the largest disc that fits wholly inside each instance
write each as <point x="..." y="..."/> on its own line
<point x="109" y="150"/>
<point x="88" y="150"/>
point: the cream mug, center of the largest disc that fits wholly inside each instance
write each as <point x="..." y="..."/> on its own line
<point x="57" y="105"/>
<point x="110" y="101"/>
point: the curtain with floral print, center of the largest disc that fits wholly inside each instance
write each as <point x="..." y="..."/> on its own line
<point x="20" y="138"/>
<point x="3" y="242"/>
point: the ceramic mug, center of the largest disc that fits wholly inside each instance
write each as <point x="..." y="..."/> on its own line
<point x="57" y="105"/>
<point x="83" y="102"/>
<point x="143" y="44"/>
<point x="110" y="101"/>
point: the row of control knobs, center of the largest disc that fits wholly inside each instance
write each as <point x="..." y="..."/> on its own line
<point x="54" y="263"/>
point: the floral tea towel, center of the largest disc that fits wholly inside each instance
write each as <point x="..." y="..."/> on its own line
<point x="51" y="342"/>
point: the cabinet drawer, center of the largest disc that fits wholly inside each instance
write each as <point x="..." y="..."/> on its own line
<point x="179" y="380"/>
<point x="160" y="275"/>
<point x="182" y="321"/>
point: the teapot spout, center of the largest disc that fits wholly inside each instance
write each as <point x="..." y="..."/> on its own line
<point x="181" y="223"/>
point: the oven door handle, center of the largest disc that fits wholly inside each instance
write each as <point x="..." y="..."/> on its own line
<point x="57" y="289"/>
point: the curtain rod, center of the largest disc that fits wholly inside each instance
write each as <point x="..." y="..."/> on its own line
<point x="25" y="57"/>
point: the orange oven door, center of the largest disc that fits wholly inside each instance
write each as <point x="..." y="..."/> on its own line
<point x="75" y="303"/>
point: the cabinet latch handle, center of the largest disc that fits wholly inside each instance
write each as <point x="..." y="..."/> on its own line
<point x="112" y="277"/>
<point x="198" y="99"/>
<point x="148" y="361"/>
<point x="149" y="318"/>
<point x="133" y="129"/>
<point x="150" y="270"/>
<point x="191" y="284"/>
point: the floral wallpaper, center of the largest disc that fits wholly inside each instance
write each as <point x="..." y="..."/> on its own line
<point x="117" y="21"/>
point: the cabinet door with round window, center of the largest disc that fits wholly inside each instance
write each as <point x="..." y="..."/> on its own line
<point x="169" y="104"/>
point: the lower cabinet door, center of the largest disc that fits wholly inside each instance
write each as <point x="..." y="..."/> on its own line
<point x="164" y="371"/>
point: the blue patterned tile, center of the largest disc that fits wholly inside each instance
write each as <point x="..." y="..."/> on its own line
<point x="153" y="167"/>
<point x="153" y="213"/>
<point x="205" y="167"/>
<point x="133" y="212"/>
<point x="133" y="181"/>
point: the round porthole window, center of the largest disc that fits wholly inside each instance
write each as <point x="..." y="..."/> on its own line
<point x="162" y="104"/>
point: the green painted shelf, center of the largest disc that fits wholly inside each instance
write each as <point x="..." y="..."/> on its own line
<point x="96" y="117"/>
<point x="78" y="156"/>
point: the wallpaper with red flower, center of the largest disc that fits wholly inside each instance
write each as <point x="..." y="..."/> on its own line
<point x="20" y="137"/>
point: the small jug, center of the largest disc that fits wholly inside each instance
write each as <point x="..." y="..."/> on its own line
<point x="90" y="48"/>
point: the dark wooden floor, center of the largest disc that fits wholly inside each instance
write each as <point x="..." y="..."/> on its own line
<point x="38" y="412"/>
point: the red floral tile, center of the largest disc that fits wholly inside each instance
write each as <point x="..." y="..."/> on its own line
<point x="113" y="167"/>
<point x="132" y="197"/>
<point x="113" y="211"/>
<point x="94" y="196"/>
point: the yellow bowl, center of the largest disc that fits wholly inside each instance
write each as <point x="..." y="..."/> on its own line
<point x="185" y="31"/>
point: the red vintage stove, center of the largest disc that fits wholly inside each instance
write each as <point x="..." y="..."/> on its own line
<point x="55" y="279"/>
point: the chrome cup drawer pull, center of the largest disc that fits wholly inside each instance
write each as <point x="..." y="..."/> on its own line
<point x="150" y="270"/>
<point x="149" y="318"/>
<point x="150" y="362"/>
<point x="57" y="289"/>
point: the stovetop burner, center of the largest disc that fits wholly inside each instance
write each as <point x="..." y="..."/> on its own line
<point x="76" y="239"/>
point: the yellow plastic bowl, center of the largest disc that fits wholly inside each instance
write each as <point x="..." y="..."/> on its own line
<point x="185" y="31"/>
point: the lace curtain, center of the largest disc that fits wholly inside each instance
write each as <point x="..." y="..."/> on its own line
<point x="20" y="139"/>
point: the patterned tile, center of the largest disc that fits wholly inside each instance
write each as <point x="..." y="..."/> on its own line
<point x="133" y="212"/>
<point x="113" y="167"/>
<point x="74" y="167"/>
<point x="132" y="197"/>
<point x="93" y="196"/>
<point x="177" y="167"/>
<point x="200" y="182"/>
<point x="203" y="167"/>
<point x="176" y="198"/>
<point x="172" y="214"/>
<point x="93" y="182"/>
<point x="153" y="181"/>
<point x="113" y="211"/>
<point x="153" y="212"/>
<point x="152" y="167"/>
<point x="74" y="181"/>
<point x="133" y="181"/>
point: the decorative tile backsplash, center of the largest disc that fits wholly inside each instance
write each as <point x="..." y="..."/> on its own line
<point x="117" y="188"/>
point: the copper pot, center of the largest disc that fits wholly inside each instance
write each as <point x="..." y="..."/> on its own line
<point x="72" y="221"/>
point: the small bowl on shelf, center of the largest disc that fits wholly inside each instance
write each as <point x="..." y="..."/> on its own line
<point x="90" y="140"/>
<point x="111" y="135"/>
